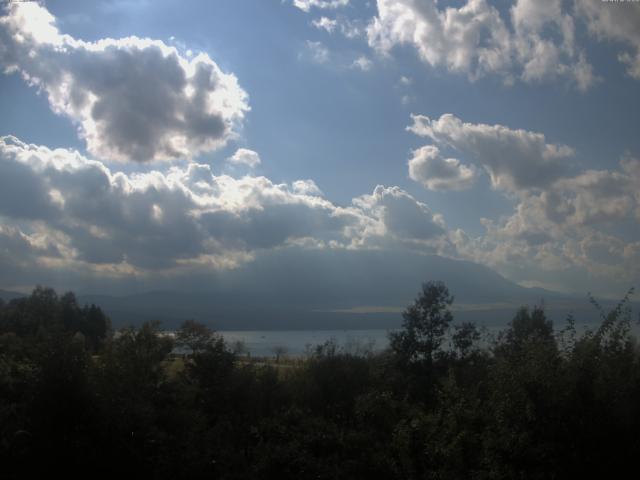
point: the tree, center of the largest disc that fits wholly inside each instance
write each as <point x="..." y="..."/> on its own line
<point x="425" y="324"/>
<point x="465" y="337"/>
<point x="96" y="325"/>
<point x="239" y="347"/>
<point x="279" y="350"/>
<point x="194" y="335"/>
<point x="525" y="329"/>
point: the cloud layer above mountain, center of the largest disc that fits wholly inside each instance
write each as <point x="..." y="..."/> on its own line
<point x="76" y="211"/>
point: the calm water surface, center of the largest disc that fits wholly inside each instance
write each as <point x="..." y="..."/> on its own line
<point x="299" y="342"/>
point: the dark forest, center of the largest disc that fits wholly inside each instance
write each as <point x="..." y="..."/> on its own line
<point x="441" y="402"/>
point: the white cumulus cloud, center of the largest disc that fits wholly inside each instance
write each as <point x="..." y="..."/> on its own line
<point x="617" y="22"/>
<point x="474" y="39"/>
<point x="324" y="23"/>
<point x="76" y="213"/>
<point x="244" y="156"/>
<point x="578" y="228"/>
<point x="514" y="159"/>
<point x="133" y="99"/>
<point x="396" y="217"/>
<point x="362" y="63"/>
<point x="307" y="5"/>
<point x="428" y="167"/>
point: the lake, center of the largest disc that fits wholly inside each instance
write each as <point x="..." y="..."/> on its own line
<point x="262" y="343"/>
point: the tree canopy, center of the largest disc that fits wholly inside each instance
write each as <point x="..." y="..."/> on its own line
<point x="444" y="401"/>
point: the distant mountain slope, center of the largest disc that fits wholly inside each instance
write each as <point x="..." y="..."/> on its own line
<point x="8" y="295"/>
<point x="330" y="289"/>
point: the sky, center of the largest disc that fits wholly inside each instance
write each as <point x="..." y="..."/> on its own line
<point x="150" y="143"/>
